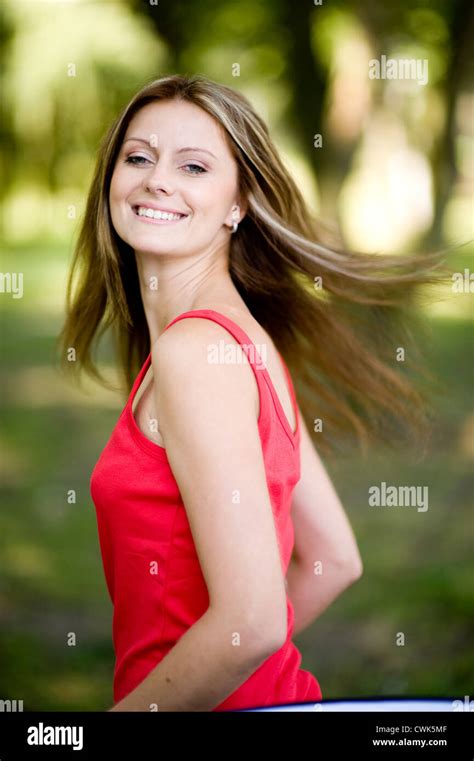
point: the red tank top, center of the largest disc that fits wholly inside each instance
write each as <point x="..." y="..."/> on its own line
<point x="151" y="567"/>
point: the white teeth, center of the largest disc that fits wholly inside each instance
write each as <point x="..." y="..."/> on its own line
<point x="143" y="211"/>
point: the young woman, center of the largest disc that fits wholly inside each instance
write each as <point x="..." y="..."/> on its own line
<point x="221" y="533"/>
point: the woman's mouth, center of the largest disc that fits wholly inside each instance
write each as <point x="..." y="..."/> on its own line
<point x="145" y="214"/>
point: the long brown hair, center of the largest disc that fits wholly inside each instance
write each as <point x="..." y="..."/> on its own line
<point x="343" y="320"/>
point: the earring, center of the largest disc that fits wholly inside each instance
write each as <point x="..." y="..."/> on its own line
<point x="235" y="215"/>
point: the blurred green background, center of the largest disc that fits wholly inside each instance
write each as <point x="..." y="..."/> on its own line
<point x="394" y="171"/>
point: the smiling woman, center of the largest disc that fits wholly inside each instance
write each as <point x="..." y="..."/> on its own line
<point x="213" y="506"/>
<point x="174" y="169"/>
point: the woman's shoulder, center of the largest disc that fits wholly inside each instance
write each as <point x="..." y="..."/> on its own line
<point x="191" y="383"/>
<point x="189" y="327"/>
<point x="188" y="343"/>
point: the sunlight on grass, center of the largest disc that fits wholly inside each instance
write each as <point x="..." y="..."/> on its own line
<point x="466" y="437"/>
<point x="27" y="561"/>
<point x="14" y="465"/>
<point x="70" y="689"/>
<point x="44" y="387"/>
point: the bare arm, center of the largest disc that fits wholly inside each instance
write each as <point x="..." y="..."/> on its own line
<point x="326" y="559"/>
<point x="301" y="589"/>
<point x="208" y="422"/>
<point x="201" y="670"/>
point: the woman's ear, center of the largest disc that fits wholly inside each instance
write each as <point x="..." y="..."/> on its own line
<point x="243" y="207"/>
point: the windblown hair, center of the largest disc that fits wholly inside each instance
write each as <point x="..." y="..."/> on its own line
<point x="341" y="319"/>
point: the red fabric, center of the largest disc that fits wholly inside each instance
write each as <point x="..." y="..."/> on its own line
<point x="150" y="562"/>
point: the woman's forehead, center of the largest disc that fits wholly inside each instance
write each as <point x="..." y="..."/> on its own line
<point x="178" y="120"/>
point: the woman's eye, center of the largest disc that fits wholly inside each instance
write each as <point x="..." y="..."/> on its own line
<point x="197" y="166"/>
<point x="134" y="160"/>
<point x="139" y="160"/>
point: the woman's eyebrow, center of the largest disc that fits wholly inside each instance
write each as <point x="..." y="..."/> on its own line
<point x="181" y="150"/>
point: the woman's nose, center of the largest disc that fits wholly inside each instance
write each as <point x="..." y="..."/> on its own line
<point x="159" y="178"/>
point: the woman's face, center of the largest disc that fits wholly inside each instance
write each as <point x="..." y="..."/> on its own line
<point x="174" y="157"/>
